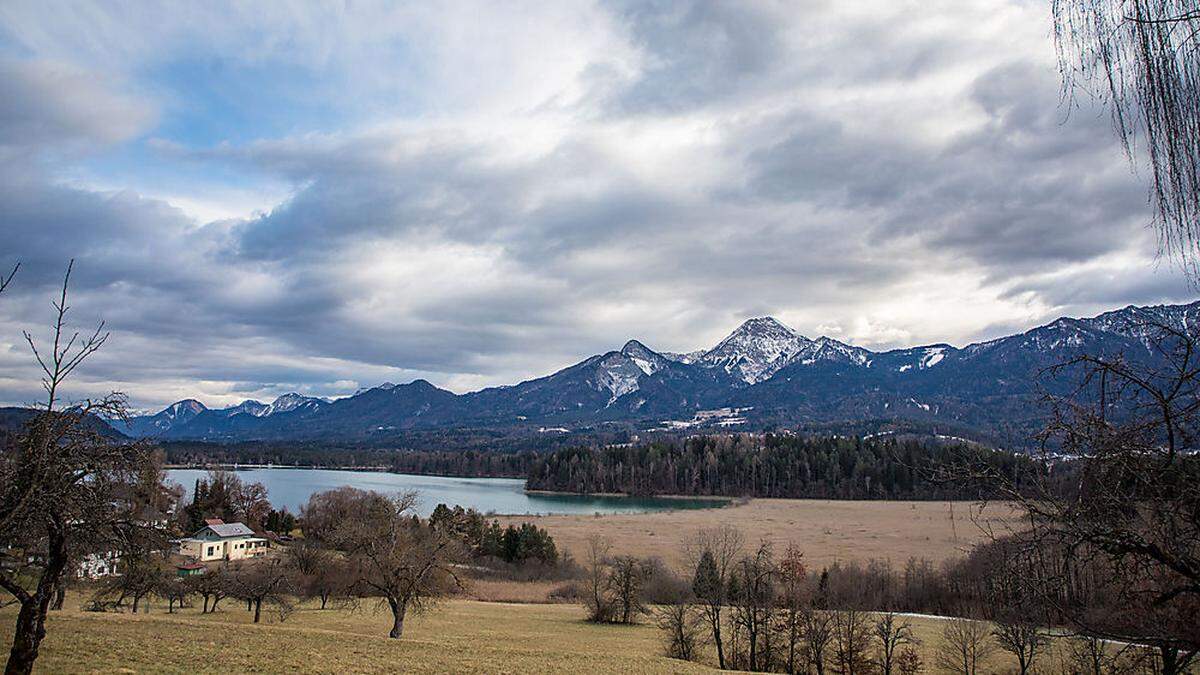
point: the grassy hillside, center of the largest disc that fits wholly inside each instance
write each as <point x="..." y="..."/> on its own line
<point x="461" y="636"/>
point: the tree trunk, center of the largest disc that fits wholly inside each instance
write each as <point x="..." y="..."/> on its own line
<point x="399" y="608"/>
<point x="136" y="600"/>
<point x="60" y="597"/>
<point x="1175" y="662"/>
<point x="257" y="609"/>
<point x="205" y="610"/>
<point x="27" y="638"/>
<point x="31" y="619"/>
<point x="716" y="626"/>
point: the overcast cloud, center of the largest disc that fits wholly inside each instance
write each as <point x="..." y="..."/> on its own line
<point x="317" y="198"/>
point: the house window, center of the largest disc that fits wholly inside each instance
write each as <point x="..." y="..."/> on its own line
<point x="210" y="549"/>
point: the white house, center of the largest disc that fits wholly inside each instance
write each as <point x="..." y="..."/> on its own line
<point x="223" y="541"/>
<point x="96" y="565"/>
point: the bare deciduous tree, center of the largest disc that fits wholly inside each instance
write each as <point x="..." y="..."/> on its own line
<point x="852" y="632"/>
<point x="965" y="645"/>
<point x="712" y="554"/>
<point x="599" y="606"/>
<point x="792" y="601"/>
<point x="818" y="634"/>
<point x="1019" y="634"/>
<point x="1110" y="538"/>
<point x="682" y="626"/>
<point x="893" y="634"/>
<point x="626" y="578"/>
<point x="391" y="554"/>
<point x="261" y="581"/>
<point x="319" y="573"/>
<point x="212" y="586"/>
<point x="752" y="597"/>
<point x="65" y="485"/>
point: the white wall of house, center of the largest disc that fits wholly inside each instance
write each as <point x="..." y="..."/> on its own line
<point x="233" y="548"/>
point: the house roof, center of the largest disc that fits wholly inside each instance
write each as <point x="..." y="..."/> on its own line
<point x="231" y="530"/>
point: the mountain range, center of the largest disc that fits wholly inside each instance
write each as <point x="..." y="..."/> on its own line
<point x="763" y="375"/>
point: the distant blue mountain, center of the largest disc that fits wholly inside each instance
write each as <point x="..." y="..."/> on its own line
<point x="764" y="374"/>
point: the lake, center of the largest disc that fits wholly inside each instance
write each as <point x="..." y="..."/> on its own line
<point x="292" y="487"/>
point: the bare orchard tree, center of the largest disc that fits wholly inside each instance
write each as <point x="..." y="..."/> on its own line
<point x="65" y="486"/>
<point x="1143" y="56"/>
<point x="211" y="585"/>
<point x="391" y="554"/>
<point x="142" y="574"/>
<point x="260" y="582"/>
<point x="318" y="573"/>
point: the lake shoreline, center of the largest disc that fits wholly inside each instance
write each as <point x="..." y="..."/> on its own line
<point x="292" y="489"/>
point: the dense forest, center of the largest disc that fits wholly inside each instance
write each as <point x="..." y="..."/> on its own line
<point x="828" y="467"/>
<point x="466" y="463"/>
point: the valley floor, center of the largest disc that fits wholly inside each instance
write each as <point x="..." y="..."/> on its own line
<point x="825" y="530"/>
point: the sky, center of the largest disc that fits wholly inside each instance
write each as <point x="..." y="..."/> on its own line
<point x="322" y="196"/>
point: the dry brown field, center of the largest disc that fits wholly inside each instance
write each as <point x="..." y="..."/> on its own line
<point x="826" y="530"/>
<point x="459" y="636"/>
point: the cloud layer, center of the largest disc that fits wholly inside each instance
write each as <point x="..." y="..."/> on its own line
<point x="299" y="198"/>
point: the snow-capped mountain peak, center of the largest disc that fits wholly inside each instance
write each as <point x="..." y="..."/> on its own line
<point x="247" y="407"/>
<point x="647" y="360"/>
<point x="293" y="401"/>
<point x="756" y="350"/>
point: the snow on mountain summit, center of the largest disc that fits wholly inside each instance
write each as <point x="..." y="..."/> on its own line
<point x="756" y="350"/>
<point x="648" y="361"/>
<point x="292" y="401"/>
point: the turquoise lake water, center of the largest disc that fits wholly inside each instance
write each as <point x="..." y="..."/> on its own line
<point x="292" y="487"/>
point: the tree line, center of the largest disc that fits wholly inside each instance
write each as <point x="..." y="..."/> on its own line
<point x="764" y="610"/>
<point x="830" y="467"/>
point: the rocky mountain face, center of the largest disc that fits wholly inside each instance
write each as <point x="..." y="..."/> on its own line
<point x="763" y="375"/>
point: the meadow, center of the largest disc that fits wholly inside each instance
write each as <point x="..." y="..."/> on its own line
<point x="826" y="530"/>
<point x="460" y="636"/>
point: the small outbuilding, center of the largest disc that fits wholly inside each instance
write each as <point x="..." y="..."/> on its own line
<point x="189" y="569"/>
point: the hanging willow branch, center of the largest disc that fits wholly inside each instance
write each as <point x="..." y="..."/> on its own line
<point x="1142" y="57"/>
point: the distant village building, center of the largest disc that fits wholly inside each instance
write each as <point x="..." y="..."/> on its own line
<point x="97" y="565"/>
<point x="219" y="540"/>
